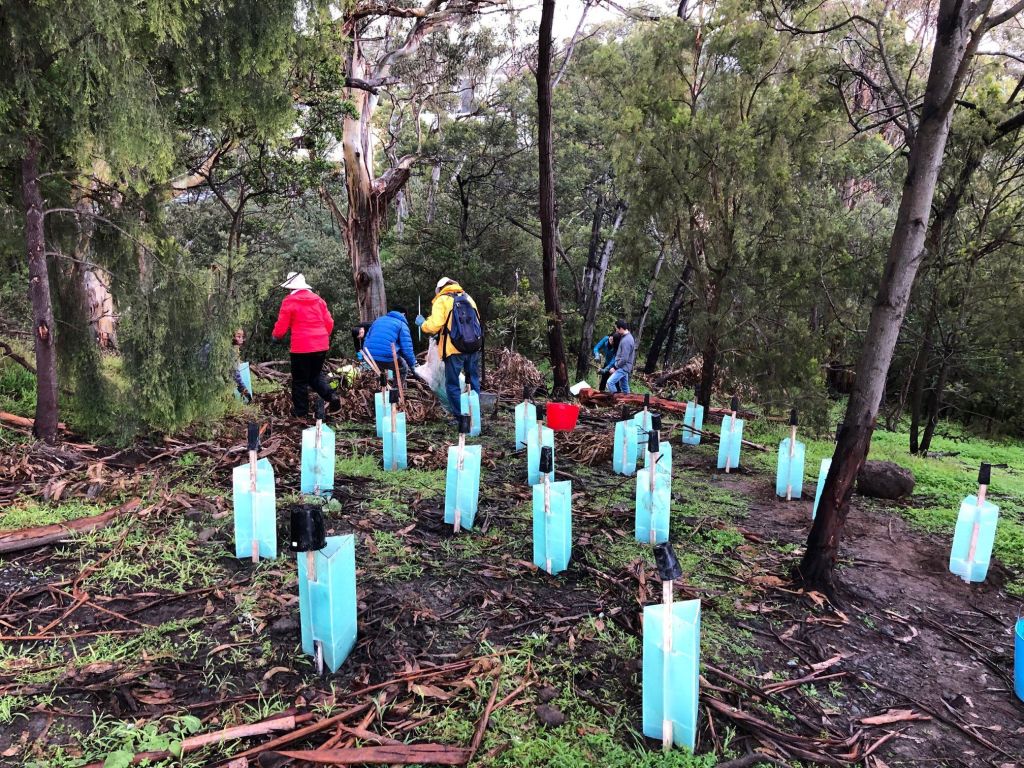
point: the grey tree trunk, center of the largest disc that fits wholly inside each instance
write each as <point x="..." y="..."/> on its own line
<point x="47" y="393"/>
<point x="649" y="296"/>
<point x="593" y="286"/>
<point x="955" y="41"/>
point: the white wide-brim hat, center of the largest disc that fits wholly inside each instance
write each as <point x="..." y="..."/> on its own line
<point x="296" y="282"/>
<point x="441" y="284"/>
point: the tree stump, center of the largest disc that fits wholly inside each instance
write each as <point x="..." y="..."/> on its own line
<point x="884" y="480"/>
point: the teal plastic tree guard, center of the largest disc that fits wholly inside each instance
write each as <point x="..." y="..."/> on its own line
<point x="1018" y="660"/>
<point x="670" y="671"/>
<point x="730" y="443"/>
<point x="255" y="506"/>
<point x="469" y="403"/>
<point x="975" y="533"/>
<point x="462" y="486"/>
<point x="642" y="422"/>
<point x="395" y="456"/>
<point x="317" y="476"/>
<point x="653" y="495"/>
<point x="625" y="452"/>
<point x="246" y="376"/>
<point x="327" y="602"/>
<point x="526" y="419"/>
<point x="382" y="410"/>
<point x="693" y="419"/>
<point x="552" y="524"/>
<point x="536" y="439"/>
<point x="826" y="464"/>
<point x="789" y="482"/>
<point x="665" y="458"/>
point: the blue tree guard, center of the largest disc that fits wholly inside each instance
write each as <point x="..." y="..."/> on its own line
<point x="395" y="455"/>
<point x="670" y="672"/>
<point x="317" y="474"/>
<point x="653" y="493"/>
<point x="731" y="440"/>
<point x="973" y="538"/>
<point x="642" y="422"/>
<point x="469" y="404"/>
<point x="462" y="485"/>
<point x="826" y="464"/>
<point x="552" y="524"/>
<point x="693" y="419"/>
<point x="1018" y="660"/>
<point x="625" y="451"/>
<point x="382" y="411"/>
<point x="664" y="463"/>
<point x="246" y="376"/>
<point x="526" y="419"/>
<point x="327" y="603"/>
<point x="254" y="504"/>
<point x="536" y="439"/>
<point x="789" y="482"/>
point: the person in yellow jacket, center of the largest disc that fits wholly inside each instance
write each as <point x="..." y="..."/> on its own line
<point x="454" y="315"/>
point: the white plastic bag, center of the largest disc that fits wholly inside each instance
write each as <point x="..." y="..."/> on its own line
<point x="432" y="373"/>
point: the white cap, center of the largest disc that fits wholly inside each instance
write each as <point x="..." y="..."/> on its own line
<point x="441" y="284"/>
<point x="296" y="282"/>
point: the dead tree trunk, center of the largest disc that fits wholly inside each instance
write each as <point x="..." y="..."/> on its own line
<point x="47" y="405"/>
<point x="649" y="296"/>
<point x="668" y="322"/>
<point x="556" y="342"/>
<point x="957" y="38"/>
<point x="593" y="286"/>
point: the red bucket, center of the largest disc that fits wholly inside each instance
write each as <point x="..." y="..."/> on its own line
<point x="562" y="416"/>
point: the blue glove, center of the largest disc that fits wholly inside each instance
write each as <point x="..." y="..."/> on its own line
<point x="420" y="320"/>
<point x="359" y="355"/>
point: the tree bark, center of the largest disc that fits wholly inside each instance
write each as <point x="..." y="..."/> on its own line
<point x="556" y="342"/>
<point x="953" y="37"/>
<point x="593" y="286"/>
<point x="668" y="322"/>
<point x="47" y="393"/>
<point x="649" y="296"/>
<point x="920" y="379"/>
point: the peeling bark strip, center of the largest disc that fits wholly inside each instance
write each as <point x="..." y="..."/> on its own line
<point x="45" y="427"/>
<point x="960" y="28"/>
<point x="407" y="754"/>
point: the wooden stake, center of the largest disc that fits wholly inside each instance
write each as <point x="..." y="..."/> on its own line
<point x="732" y="431"/>
<point x="792" y="452"/>
<point x="252" y="495"/>
<point x="547" y="519"/>
<point x="369" y="358"/>
<point x="975" y="531"/>
<point x="666" y="644"/>
<point x="398" y="379"/>
<point x="652" y="460"/>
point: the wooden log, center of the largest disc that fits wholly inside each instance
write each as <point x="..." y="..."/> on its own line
<point x="20" y="422"/>
<point x="609" y="399"/>
<point x="28" y="538"/>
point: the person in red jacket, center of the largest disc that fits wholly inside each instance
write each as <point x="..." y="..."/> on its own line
<point x="305" y="315"/>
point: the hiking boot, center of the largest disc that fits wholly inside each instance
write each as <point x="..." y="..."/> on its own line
<point x="298" y="414"/>
<point x="334" y="406"/>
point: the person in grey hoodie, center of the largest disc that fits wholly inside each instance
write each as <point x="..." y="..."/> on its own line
<point x="618" y="379"/>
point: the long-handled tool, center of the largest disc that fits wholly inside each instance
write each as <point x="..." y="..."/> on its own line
<point x="552" y="517"/>
<point x="419" y="313"/>
<point x="327" y="588"/>
<point x="731" y="438"/>
<point x="653" y="491"/>
<point x="671" y="637"/>
<point x="975" y="532"/>
<point x="462" y="486"/>
<point x="398" y="378"/>
<point x="254" y="504"/>
<point x="789" y="480"/>
<point x="317" y="473"/>
<point x="693" y="419"/>
<point x="526" y="418"/>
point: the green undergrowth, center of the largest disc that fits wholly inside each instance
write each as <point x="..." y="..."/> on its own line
<point x="32" y="513"/>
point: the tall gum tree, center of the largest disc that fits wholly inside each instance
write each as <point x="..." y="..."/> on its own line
<point x="959" y="30"/>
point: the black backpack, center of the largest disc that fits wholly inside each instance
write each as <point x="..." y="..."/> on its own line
<point x="463" y="326"/>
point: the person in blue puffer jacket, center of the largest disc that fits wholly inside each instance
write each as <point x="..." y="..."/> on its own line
<point x="392" y="328"/>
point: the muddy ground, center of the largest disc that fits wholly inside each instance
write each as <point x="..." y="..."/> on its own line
<point x="461" y="638"/>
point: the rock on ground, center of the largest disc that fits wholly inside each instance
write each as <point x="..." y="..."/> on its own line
<point x="884" y="480"/>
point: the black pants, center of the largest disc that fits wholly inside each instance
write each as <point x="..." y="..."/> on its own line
<point x="604" y="382"/>
<point x="403" y="368"/>
<point x="308" y="371"/>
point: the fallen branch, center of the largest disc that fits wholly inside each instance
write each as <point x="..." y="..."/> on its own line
<point x="300" y="733"/>
<point x="408" y="754"/>
<point x="29" y="538"/>
<point x="612" y="399"/>
<point x="193" y="743"/>
<point x="20" y="422"/>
